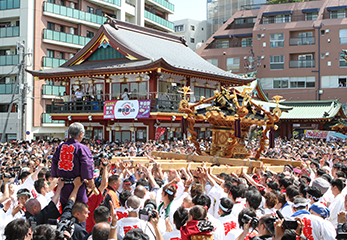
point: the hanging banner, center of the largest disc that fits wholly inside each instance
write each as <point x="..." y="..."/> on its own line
<point x="159" y="133"/>
<point x="127" y="109"/>
<point x="316" y="134"/>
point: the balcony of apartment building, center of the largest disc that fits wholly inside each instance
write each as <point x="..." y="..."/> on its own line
<point x="302" y="60"/>
<point x="52" y="91"/>
<point x="9" y="4"/>
<point x="64" y="39"/>
<point x="73" y="15"/>
<point x="9" y="29"/>
<point x="157" y="19"/>
<point x="110" y="4"/>
<point x="52" y="62"/>
<point x="310" y="14"/>
<point x="234" y="41"/>
<point x="240" y="23"/>
<point x="299" y="38"/>
<point x="47" y="121"/>
<point x="8" y="59"/>
<point x="335" y="12"/>
<point x="162" y="5"/>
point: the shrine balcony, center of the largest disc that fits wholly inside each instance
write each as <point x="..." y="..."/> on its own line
<point x="157" y="105"/>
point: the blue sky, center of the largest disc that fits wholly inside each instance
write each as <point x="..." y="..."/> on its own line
<point x="194" y="9"/>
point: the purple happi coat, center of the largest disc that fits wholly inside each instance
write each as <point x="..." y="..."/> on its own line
<point x="70" y="160"/>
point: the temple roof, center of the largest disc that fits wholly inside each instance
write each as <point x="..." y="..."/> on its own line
<point x="313" y="110"/>
<point x="139" y="49"/>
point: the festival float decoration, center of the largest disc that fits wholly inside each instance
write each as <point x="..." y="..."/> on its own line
<point x="231" y="113"/>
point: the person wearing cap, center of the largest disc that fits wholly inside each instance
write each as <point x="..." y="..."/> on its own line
<point x="337" y="204"/>
<point x="314" y="226"/>
<point x="73" y="159"/>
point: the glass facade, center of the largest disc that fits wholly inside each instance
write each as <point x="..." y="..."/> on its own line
<point x="219" y="11"/>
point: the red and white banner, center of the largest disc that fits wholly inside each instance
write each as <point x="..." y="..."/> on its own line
<point x="159" y="133"/>
<point x="316" y="134"/>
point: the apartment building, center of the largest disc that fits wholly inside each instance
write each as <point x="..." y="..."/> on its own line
<point x="193" y="31"/>
<point x="54" y="31"/>
<point x="295" y="48"/>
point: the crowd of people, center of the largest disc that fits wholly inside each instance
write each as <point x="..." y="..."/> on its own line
<point x="83" y="189"/>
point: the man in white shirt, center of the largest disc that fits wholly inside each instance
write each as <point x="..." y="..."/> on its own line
<point x="229" y="221"/>
<point x="78" y="95"/>
<point x="41" y="188"/>
<point x="337" y="204"/>
<point x="132" y="221"/>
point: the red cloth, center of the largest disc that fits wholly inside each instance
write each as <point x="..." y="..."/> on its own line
<point x="192" y="229"/>
<point x="93" y="202"/>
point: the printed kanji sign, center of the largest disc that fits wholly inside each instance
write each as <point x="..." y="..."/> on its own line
<point x="66" y="158"/>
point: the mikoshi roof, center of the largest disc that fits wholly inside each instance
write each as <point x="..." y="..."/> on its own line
<point x="313" y="110"/>
<point x="138" y="50"/>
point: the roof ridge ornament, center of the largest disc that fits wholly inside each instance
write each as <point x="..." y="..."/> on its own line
<point x="184" y="41"/>
<point x="111" y="21"/>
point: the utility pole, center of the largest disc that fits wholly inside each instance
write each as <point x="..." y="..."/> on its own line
<point x="21" y="94"/>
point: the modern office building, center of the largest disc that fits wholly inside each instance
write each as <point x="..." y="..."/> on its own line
<point x="219" y="11"/>
<point x="54" y="31"/>
<point x="193" y="31"/>
<point x="296" y="48"/>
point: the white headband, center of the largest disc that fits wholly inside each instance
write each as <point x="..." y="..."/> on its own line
<point x="130" y="209"/>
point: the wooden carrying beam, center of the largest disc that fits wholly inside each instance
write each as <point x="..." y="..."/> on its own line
<point x="277" y="162"/>
<point x="208" y="159"/>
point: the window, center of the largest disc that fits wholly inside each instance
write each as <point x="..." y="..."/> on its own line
<point x="90" y="10"/>
<point x="192" y="40"/>
<point x="322" y="32"/>
<point x="61" y="55"/>
<point x="220" y="43"/>
<point x="343" y="36"/>
<point x="258" y="36"/>
<point x="51" y="1"/>
<point x="282" y="18"/>
<point x="90" y="34"/>
<point x="343" y="62"/>
<point x="311" y="16"/>
<point x="62" y="28"/>
<point x="192" y="27"/>
<point x="233" y="64"/>
<point x="62" y="2"/>
<point x="50" y="53"/>
<point x="304" y="61"/>
<point x="247" y="42"/>
<point x="280" y="83"/>
<point x="276" y="40"/>
<point x="338" y="14"/>
<point x="138" y="90"/>
<point x="206" y="92"/>
<point x="298" y="82"/>
<point x="277" y="62"/>
<point x="213" y="61"/>
<point x="342" y="81"/>
<point x="50" y="26"/>
<point x="179" y="28"/>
